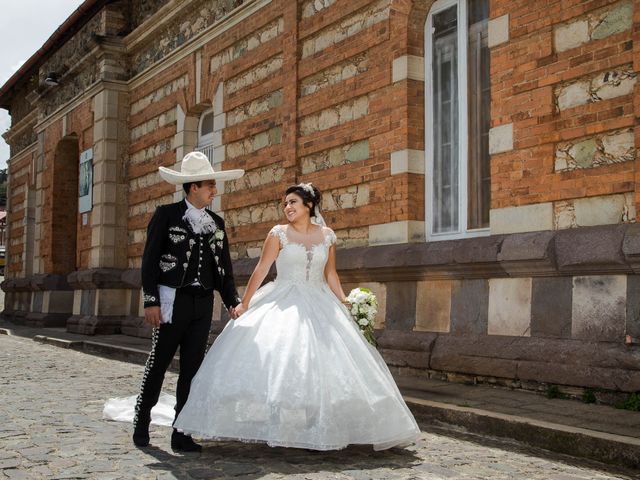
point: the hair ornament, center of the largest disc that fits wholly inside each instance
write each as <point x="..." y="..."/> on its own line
<point x="308" y="187"/>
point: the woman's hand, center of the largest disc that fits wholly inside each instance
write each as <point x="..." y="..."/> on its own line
<point x="239" y="309"/>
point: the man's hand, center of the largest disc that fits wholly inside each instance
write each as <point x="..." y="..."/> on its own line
<point x="152" y="316"/>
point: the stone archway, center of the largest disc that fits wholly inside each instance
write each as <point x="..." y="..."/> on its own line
<point x="64" y="206"/>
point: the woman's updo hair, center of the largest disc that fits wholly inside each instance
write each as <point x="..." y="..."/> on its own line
<point x="309" y="193"/>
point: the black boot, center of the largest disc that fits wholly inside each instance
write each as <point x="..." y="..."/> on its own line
<point x="183" y="443"/>
<point x="141" y="432"/>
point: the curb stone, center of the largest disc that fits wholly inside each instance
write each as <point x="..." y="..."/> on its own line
<point x="578" y="442"/>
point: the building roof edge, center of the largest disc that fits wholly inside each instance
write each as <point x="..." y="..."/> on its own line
<point x="73" y="23"/>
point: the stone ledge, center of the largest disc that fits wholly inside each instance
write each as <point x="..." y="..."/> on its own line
<point x="582" y="251"/>
<point x="35" y="283"/>
<point x="592" y="250"/>
<point x="37" y="319"/>
<point x="613" y="366"/>
<point x="94" y="324"/>
<point x="108" y="278"/>
<point x="527" y="253"/>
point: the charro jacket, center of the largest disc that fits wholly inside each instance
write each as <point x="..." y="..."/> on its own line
<point x="171" y="244"/>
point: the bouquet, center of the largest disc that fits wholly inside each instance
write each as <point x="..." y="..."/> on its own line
<point x="363" y="308"/>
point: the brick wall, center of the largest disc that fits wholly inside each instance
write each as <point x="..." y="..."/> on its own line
<point x="310" y="94"/>
<point x="308" y="100"/>
<point x="61" y="250"/>
<point x="566" y="81"/>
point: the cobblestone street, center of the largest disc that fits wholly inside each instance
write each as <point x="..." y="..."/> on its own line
<point x="51" y="403"/>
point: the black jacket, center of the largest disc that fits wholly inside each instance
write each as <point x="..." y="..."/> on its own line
<point x="169" y="245"/>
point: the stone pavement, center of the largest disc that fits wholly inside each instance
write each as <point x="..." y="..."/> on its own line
<point x="51" y="401"/>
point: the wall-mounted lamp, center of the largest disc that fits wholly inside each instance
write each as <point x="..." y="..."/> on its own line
<point x="51" y="79"/>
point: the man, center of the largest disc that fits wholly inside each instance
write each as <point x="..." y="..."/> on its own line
<point x="186" y="257"/>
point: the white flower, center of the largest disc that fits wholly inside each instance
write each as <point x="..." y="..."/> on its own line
<point x="219" y="234"/>
<point x="363" y="321"/>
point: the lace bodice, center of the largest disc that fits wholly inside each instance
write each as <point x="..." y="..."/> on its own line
<point x="302" y="258"/>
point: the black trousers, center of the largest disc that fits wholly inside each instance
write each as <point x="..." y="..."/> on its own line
<point x="189" y="330"/>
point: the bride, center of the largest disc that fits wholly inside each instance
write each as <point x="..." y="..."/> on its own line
<point x="293" y="369"/>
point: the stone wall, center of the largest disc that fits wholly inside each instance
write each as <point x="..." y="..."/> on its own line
<point x="76" y="73"/>
<point x="194" y="18"/>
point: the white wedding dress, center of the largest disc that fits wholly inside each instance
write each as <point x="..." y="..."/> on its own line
<point x="295" y="370"/>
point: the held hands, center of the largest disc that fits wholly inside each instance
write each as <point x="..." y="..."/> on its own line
<point x="238" y="310"/>
<point x="152" y="316"/>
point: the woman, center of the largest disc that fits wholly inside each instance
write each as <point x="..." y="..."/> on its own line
<point x="293" y="369"/>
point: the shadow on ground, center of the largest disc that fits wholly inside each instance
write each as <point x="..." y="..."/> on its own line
<point x="254" y="461"/>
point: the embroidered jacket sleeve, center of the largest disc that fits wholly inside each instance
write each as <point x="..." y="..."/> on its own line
<point x="229" y="293"/>
<point x="153" y="249"/>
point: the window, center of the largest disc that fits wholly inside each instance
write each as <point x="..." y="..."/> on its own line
<point x="458" y="115"/>
<point x="205" y="134"/>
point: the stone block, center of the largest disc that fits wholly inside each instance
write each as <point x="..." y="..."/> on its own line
<point x="407" y="161"/>
<point x="501" y="139"/>
<point x="401" y="306"/>
<point x="633" y="306"/>
<point x="509" y="306"/>
<point x="480" y="250"/>
<point x="342" y="155"/>
<point x="589" y="249"/>
<point x="135" y="326"/>
<point x="599" y="308"/>
<point x="88" y="302"/>
<point x="37" y="300"/>
<point x="112" y="302"/>
<point x="408" y="67"/>
<point x="498" y="30"/>
<point x="433" y="307"/>
<point x="335" y="74"/>
<point x="631" y="246"/>
<point x="614" y="83"/>
<point x="616" y="20"/>
<point x="77" y="301"/>
<point x="604" y="210"/>
<point x="94" y="324"/>
<point x="59" y="302"/>
<point x="603" y="149"/>
<point x="350" y="197"/>
<point x="571" y="35"/>
<point x="473" y="355"/>
<point x="551" y="303"/>
<point x="407" y="231"/>
<point x="528" y="253"/>
<point x="469" y="307"/>
<point x="255" y="75"/>
<point x="524" y="218"/>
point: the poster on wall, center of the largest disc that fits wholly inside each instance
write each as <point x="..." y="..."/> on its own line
<point x="85" y="187"/>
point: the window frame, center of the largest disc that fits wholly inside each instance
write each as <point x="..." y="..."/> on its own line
<point x="205" y="140"/>
<point x="463" y="124"/>
<point x="205" y="143"/>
